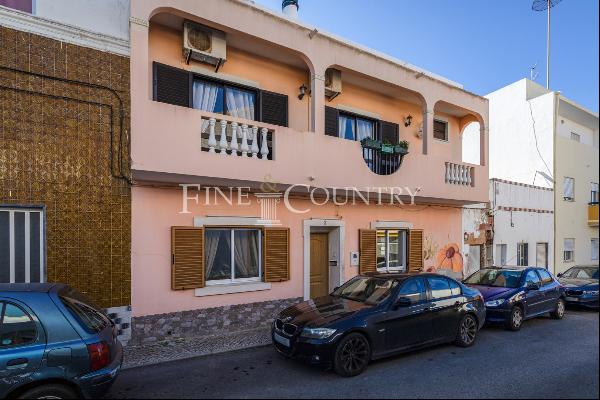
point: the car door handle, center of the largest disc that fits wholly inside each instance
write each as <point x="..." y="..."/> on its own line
<point x="17" y="362"/>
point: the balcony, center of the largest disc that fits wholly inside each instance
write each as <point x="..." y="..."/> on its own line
<point x="183" y="145"/>
<point x="593" y="214"/>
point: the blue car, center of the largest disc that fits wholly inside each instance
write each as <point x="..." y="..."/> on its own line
<point x="581" y="285"/>
<point x="514" y="294"/>
<point x="54" y="344"/>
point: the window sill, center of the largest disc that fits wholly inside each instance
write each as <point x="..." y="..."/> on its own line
<point x="215" y="290"/>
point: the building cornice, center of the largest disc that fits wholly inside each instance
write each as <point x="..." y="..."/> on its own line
<point x="22" y="21"/>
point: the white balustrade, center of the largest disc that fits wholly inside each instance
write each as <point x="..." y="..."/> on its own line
<point x="249" y="135"/>
<point x="459" y="174"/>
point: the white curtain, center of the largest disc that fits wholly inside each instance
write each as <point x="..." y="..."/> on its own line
<point x="246" y="253"/>
<point x="205" y="98"/>
<point x="346" y="127"/>
<point x="364" y="129"/>
<point x="240" y="104"/>
<point x="212" y="239"/>
<point x="569" y="188"/>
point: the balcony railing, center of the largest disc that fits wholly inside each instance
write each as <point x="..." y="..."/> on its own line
<point x="460" y="174"/>
<point x="593" y="214"/>
<point x="228" y="137"/>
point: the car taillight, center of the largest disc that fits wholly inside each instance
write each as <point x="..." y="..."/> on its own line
<point x="99" y="355"/>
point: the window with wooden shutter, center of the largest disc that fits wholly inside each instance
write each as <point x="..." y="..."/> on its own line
<point x="172" y="85"/>
<point x="274" y="108"/>
<point x="415" y="250"/>
<point x="277" y="254"/>
<point x="331" y="121"/>
<point x="389" y="132"/>
<point x="187" y="258"/>
<point x="367" y="239"/>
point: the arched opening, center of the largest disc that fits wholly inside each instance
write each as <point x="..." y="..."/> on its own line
<point x="471" y="143"/>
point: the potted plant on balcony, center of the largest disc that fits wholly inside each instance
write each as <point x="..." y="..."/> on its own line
<point x="373" y="144"/>
<point x="401" y="148"/>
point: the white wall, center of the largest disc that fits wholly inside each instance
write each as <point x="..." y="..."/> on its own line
<point x="513" y="226"/>
<point x="520" y="113"/>
<point x="109" y="17"/>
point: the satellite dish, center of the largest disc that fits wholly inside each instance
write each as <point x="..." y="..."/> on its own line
<point x="543" y="5"/>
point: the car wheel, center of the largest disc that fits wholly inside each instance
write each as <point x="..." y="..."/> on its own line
<point x="559" y="312"/>
<point x="467" y="331"/>
<point x="50" y="392"/>
<point x="515" y="320"/>
<point x="352" y="355"/>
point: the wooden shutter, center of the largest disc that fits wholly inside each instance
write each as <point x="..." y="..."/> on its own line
<point x="367" y="239"/>
<point x="331" y="121"/>
<point x="276" y="247"/>
<point x="415" y="250"/>
<point x="187" y="258"/>
<point x="274" y="108"/>
<point x="172" y="85"/>
<point x="389" y="132"/>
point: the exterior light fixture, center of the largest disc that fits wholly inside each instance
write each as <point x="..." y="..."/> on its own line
<point x="303" y="90"/>
<point x="408" y="120"/>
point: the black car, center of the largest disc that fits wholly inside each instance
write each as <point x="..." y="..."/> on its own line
<point x="377" y="315"/>
<point x="581" y="285"/>
<point x="514" y="294"/>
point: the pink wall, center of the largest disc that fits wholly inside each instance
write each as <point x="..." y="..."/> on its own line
<point x="155" y="210"/>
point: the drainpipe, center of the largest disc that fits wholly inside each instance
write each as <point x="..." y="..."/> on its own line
<point x="554" y="172"/>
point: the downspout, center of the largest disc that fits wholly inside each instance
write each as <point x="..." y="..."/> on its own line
<point x="555" y="104"/>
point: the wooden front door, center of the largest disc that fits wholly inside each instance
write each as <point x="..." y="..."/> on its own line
<point x="319" y="265"/>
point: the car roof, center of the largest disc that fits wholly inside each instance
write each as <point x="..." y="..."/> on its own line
<point x="401" y="276"/>
<point x="29" y="287"/>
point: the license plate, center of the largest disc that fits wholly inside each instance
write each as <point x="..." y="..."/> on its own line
<point x="281" y="340"/>
<point x="571" y="299"/>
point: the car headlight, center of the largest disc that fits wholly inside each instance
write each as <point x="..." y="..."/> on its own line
<point x="590" y="292"/>
<point x="317" y="333"/>
<point x="494" y="303"/>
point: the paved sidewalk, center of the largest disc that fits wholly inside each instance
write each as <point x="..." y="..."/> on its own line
<point x="178" y="349"/>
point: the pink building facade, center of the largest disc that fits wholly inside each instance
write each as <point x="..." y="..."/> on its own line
<point x="272" y="162"/>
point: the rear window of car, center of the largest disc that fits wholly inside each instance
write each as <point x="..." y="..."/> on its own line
<point x="91" y="319"/>
<point x="546" y="277"/>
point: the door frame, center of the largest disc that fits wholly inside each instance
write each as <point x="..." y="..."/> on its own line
<point x="338" y="225"/>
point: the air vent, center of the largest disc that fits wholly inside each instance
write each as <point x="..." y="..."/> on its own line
<point x="204" y="44"/>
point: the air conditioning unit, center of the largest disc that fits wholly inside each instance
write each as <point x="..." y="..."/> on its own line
<point x="333" y="83"/>
<point x="204" y="44"/>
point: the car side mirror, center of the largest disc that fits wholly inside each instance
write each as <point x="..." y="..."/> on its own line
<point x="533" y="286"/>
<point x="559" y="275"/>
<point x="403" y="302"/>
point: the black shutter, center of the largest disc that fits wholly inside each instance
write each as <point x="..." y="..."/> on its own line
<point x="274" y="108"/>
<point x="172" y="85"/>
<point x="331" y="121"/>
<point x="389" y="132"/>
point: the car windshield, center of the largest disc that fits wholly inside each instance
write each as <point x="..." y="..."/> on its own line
<point x="366" y="290"/>
<point x="90" y="317"/>
<point x="495" y="277"/>
<point x="581" y="273"/>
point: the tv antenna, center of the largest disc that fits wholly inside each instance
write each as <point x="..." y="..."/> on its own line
<point x="546" y="5"/>
<point x="533" y="73"/>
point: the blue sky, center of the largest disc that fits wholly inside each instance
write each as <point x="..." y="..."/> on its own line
<point x="483" y="44"/>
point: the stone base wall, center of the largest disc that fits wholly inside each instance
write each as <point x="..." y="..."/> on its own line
<point x="209" y="321"/>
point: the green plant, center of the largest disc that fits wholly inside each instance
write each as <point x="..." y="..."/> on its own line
<point x="403" y="144"/>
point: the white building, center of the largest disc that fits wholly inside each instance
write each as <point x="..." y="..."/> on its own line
<point x="523" y="223"/>
<point x="539" y="137"/>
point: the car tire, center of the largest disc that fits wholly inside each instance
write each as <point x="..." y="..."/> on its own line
<point x="559" y="312"/>
<point x="467" y="331"/>
<point x="352" y="355"/>
<point x="515" y="319"/>
<point x="51" y="391"/>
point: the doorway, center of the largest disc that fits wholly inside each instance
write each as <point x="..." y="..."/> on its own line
<point x="541" y="258"/>
<point x="319" y="264"/>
